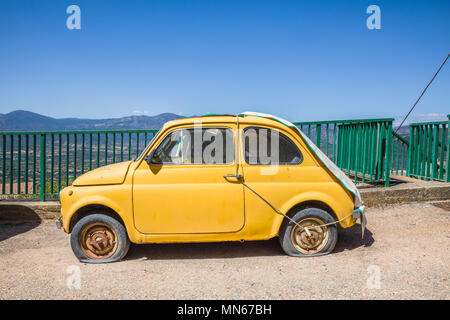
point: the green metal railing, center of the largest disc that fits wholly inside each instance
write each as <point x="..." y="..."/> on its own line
<point x="429" y="154"/>
<point x="40" y="164"/>
<point x="367" y="150"/>
<point x="361" y="148"/>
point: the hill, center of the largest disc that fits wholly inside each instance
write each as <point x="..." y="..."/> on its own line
<point x="21" y="120"/>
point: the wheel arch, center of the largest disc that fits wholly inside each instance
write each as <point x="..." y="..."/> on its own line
<point x="89" y="209"/>
<point x="307" y="204"/>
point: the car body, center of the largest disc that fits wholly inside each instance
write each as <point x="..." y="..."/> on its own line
<point x="183" y="200"/>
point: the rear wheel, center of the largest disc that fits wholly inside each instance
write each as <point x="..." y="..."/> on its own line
<point x="311" y="238"/>
<point x="99" y="238"/>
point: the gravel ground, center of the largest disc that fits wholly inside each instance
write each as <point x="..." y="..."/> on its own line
<point x="407" y="246"/>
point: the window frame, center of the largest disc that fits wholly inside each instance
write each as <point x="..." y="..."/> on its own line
<point x="233" y="163"/>
<point x="281" y="133"/>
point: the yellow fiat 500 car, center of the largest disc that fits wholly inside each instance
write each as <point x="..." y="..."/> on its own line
<point x="213" y="178"/>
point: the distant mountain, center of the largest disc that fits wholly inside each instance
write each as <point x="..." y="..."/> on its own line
<point x="22" y="120"/>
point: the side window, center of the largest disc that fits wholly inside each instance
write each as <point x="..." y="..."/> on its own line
<point x="269" y="147"/>
<point x="196" y="146"/>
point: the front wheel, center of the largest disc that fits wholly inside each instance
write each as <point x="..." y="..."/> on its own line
<point x="316" y="240"/>
<point x="99" y="238"/>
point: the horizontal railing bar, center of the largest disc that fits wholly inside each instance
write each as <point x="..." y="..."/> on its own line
<point x="344" y="121"/>
<point x="428" y="123"/>
<point x="76" y="132"/>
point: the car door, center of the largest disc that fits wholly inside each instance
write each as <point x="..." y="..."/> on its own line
<point x="277" y="167"/>
<point x="184" y="190"/>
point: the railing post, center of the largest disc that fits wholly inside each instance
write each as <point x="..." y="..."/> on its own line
<point x="11" y="164"/>
<point x="42" y="175"/>
<point x="435" y="154"/>
<point x="4" y="164"/>
<point x="388" y="154"/>
<point x="19" y="151"/>
<point x="318" y="134"/>
<point x="410" y="153"/>
<point x="447" y="167"/>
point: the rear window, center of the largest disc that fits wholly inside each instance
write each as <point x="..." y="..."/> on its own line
<point x="264" y="146"/>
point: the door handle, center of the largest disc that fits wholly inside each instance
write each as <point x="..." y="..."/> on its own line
<point x="236" y="176"/>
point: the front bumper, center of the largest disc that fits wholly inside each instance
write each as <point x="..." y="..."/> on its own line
<point x="359" y="213"/>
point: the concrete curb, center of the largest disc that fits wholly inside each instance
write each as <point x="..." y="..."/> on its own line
<point x="17" y="210"/>
<point x="406" y="193"/>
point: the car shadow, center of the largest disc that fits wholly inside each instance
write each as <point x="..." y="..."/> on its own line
<point x="16" y="219"/>
<point x="349" y="239"/>
<point x="11" y="229"/>
<point x="210" y="250"/>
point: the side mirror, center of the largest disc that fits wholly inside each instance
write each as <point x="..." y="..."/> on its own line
<point x="149" y="158"/>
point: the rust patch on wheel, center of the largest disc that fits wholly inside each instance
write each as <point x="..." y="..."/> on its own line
<point x="98" y="241"/>
<point x="311" y="240"/>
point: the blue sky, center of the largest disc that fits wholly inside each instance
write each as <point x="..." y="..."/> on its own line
<point x="302" y="60"/>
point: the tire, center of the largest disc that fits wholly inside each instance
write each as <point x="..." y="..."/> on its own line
<point x="99" y="238"/>
<point x="322" y="240"/>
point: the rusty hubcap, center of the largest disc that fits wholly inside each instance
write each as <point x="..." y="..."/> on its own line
<point x="309" y="241"/>
<point x="98" y="241"/>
